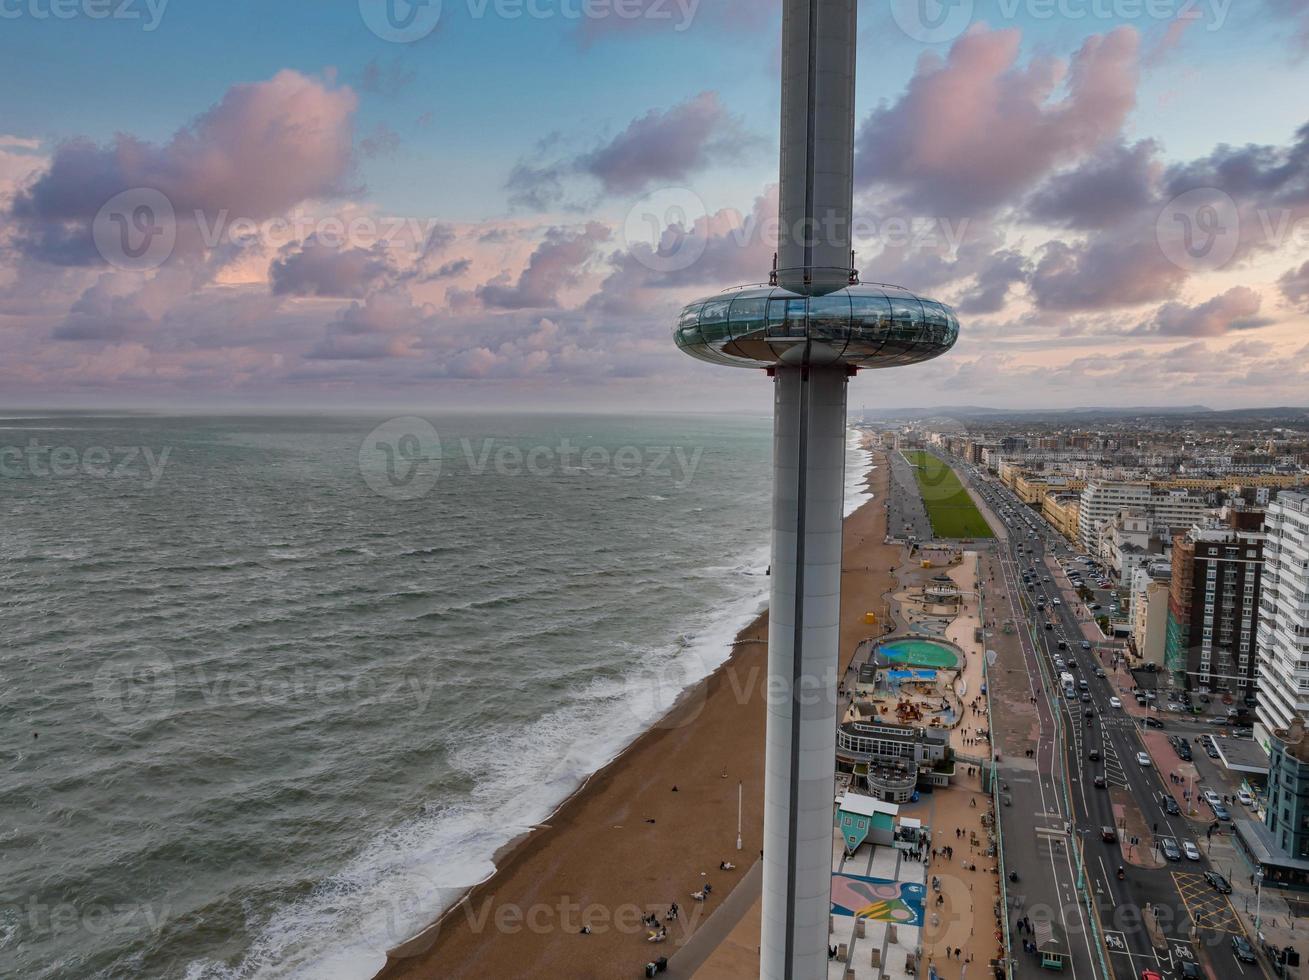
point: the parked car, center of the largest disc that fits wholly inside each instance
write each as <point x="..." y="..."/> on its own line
<point x="1220" y="812"/>
<point x="1245" y="798"/>
<point x="1242" y="949"/>
<point x="1153" y="723"/>
<point x="1211" y="797"/>
<point x="1217" y="882"/>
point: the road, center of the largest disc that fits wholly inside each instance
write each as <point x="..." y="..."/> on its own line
<point x="1177" y="892"/>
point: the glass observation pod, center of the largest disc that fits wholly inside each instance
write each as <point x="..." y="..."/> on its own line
<point x="866" y="325"/>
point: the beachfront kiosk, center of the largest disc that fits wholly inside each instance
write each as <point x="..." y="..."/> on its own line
<point x="812" y="326"/>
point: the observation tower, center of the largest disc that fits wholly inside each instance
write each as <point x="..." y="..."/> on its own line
<point x="812" y="327"/>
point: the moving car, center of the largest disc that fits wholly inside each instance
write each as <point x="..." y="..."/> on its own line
<point x="1099" y="782"/>
<point x="1190" y="850"/>
<point x="1108" y="835"/>
<point x="1217" y="882"/>
<point x="1170" y="849"/>
<point x="1242" y="949"/>
<point x="1094" y="755"/>
<point x="1171" y="808"/>
<point x="1115" y="703"/>
<point x="1153" y="723"/>
<point x="1143" y="760"/>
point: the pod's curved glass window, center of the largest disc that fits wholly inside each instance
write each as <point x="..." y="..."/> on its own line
<point x="747" y="316"/>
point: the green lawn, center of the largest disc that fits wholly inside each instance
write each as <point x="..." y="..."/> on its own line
<point x="951" y="511"/>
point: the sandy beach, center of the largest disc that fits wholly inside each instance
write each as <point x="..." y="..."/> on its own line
<point x="626" y="843"/>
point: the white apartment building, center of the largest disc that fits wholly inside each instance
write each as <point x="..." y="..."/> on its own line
<point x="1103" y="500"/>
<point x="1283" y="635"/>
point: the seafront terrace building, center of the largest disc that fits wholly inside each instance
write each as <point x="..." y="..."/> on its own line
<point x="1061" y="510"/>
<point x="1283" y="634"/>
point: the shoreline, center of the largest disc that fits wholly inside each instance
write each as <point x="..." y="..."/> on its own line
<point x="604" y="854"/>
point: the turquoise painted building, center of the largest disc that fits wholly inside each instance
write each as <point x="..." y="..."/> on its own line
<point x="863" y="819"/>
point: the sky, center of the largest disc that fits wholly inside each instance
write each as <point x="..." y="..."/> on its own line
<point x="503" y="204"/>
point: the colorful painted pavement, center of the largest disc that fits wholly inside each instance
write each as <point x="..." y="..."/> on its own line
<point x="877" y="898"/>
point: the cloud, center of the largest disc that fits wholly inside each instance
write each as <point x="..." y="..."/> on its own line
<point x="1294" y="285"/>
<point x="713" y="250"/>
<point x="1114" y="182"/>
<point x="384" y="325"/>
<point x="975" y="132"/>
<point x="1117" y="268"/>
<point x="264" y="148"/>
<point x="312" y="268"/>
<point x="556" y="264"/>
<point x="1002" y="270"/>
<point x="1235" y="309"/>
<point x="661" y="147"/>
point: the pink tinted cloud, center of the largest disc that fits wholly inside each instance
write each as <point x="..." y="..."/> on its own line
<point x="1235" y="309"/>
<point x="556" y="264"/>
<point x="264" y="148"/>
<point x="977" y="131"/>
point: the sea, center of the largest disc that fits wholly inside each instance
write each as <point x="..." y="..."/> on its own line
<point x="275" y="689"/>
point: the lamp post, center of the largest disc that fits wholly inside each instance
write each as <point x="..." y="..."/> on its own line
<point x="738" y="814"/>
